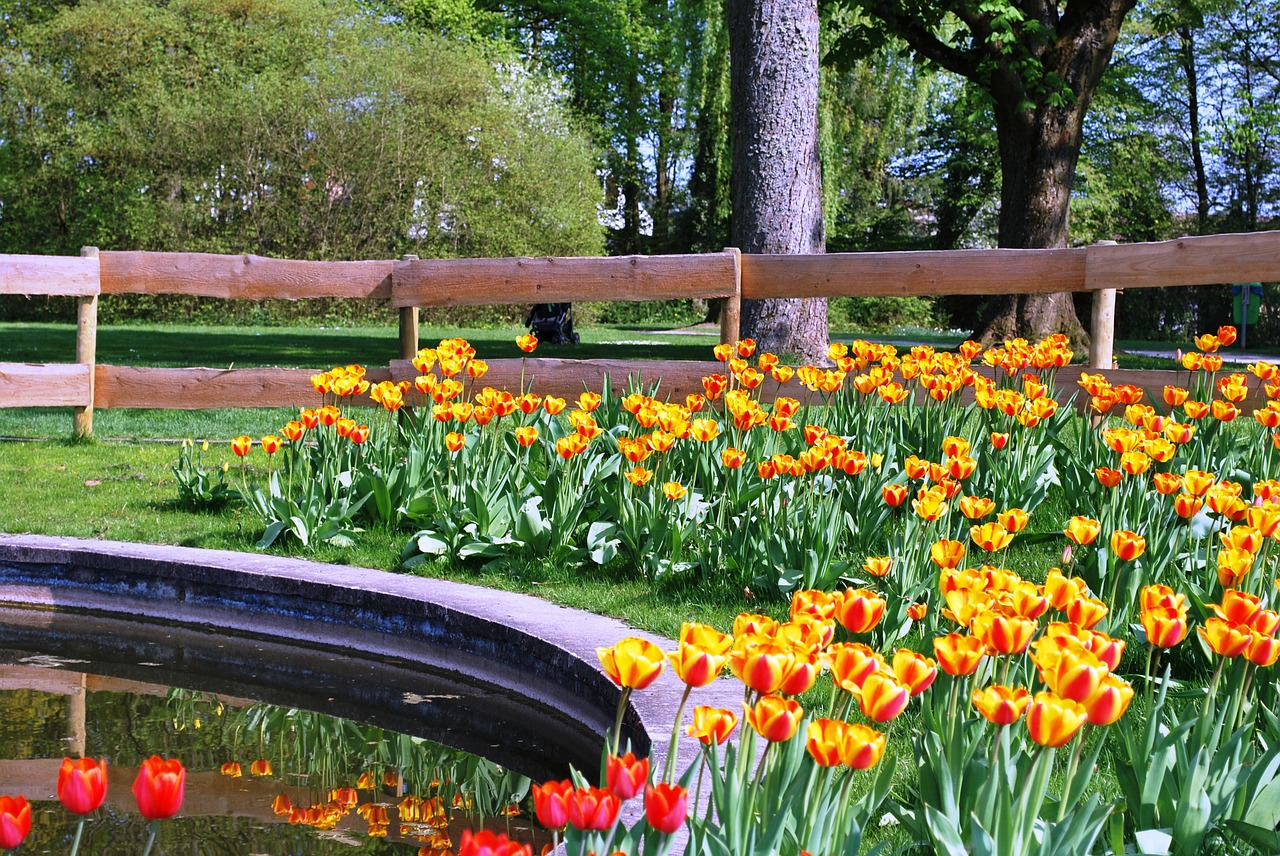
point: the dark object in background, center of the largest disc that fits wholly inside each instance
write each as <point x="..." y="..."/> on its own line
<point x="552" y="322"/>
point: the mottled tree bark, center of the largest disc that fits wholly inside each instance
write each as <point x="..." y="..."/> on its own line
<point x="777" y="177"/>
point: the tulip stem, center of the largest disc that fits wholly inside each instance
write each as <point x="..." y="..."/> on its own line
<point x="151" y="838"/>
<point x="617" y="723"/>
<point x="675" y="735"/>
<point x="1071" y="774"/>
<point x="75" y="843"/>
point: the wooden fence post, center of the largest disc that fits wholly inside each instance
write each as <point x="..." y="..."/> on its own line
<point x="731" y="310"/>
<point x="408" y="323"/>
<point x="1102" y="333"/>
<point x="86" y="348"/>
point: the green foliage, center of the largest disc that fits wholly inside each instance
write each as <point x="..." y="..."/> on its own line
<point x="294" y="128"/>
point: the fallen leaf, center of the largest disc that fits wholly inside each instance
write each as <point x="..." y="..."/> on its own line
<point x="92" y="483"/>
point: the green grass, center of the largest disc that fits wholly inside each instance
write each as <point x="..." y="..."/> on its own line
<point x="124" y="491"/>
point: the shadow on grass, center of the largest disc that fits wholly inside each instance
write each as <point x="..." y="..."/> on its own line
<point x="296" y="347"/>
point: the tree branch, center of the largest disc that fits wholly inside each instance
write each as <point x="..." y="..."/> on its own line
<point x="924" y="42"/>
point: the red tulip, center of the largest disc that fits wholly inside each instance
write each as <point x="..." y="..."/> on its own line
<point x="626" y="775"/>
<point x="15" y="820"/>
<point x="593" y="808"/>
<point x="665" y="807"/>
<point x="489" y="843"/>
<point x="82" y="784"/>
<point x="551" y="803"/>
<point x="159" y="787"/>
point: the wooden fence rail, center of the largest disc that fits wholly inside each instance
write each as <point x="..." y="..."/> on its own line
<point x="410" y="283"/>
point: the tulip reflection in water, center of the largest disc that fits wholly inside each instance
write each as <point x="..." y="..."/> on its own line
<point x="189" y="797"/>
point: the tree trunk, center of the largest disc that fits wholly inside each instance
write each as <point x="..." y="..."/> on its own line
<point x="1039" y="148"/>
<point x="777" y="177"/>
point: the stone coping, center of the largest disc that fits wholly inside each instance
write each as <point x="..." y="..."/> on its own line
<point x="544" y="653"/>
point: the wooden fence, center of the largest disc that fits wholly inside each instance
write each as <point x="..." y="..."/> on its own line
<point x="410" y="283"/>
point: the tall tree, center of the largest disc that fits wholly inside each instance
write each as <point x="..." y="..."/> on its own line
<point x="777" y="176"/>
<point x="1039" y="62"/>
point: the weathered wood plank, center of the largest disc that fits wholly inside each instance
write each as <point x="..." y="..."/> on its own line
<point x="1203" y="260"/>
<point x="208" y="389"/>
<point x="44" y="385"/>
<point x="913" y="274"/>
<point x="463" y="282"/>
<point x="69" y="276"/>
<point x="242" y="277"/>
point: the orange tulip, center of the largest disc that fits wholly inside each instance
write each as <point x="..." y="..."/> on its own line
<point x="946" y="554"/>
<point x="261" y="767"/>
<point x="825" y="740"/>
<point x="632" y="662"/>
<point x="775" y="718"/>
<point x="1001" y="705"/>
<point x="526" y="435"/>
<point x="975" y="507"/>
<point x="878" y="566"/>
<point x="883" y="697"/>
<point x="712" y="724"/>
<point x="733" y="458"/>
<point x="859" y="610"/>
<point x="1061" y="590"/>
<point x="915" y="671"/>
<point x="1225" y="638"/>
<point x="763" y="665"/>
<point x="1108" y="477"/>
<point x="991" y="537"/>
<point x="242" y="445"/>
<point x="917" y="611"/>
<point x="453" y="441"/>
<point x="1013" y="519"/>
<point x="673" y="490"/>
<point x="1126" y="545"/>
<point x="959" y="654"/>
<point x="1109" y="702"/>
<point x="231" y="769"/>
<point x="851" y="663"/>
<point x="894" y="494"/>
<point x="1083" y="530"/>
<point x="1075" y="675"/>
<point x="1263" y="649"/>
<point x="1086" y="611"/>
<point x="1003" y="634"/>
<point x="1187" y="505"/>
<point x="1053" y="721"/>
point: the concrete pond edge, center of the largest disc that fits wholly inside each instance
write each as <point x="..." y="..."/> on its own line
<point x="543" y="652"/>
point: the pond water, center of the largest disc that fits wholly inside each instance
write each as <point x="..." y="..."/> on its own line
<point x="76" y="684"/>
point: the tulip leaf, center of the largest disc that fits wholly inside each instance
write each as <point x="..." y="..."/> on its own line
<point x="269" y="536"/>
<point x="1263" y="838"/>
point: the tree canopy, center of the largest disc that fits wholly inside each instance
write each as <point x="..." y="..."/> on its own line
<point x="299" y="128"/>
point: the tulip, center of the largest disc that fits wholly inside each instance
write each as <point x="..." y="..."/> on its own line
<point x="1003" y="634"/>
<point x="242" y="445"/>
<point x="489" y="843"/>
<point x="946" y="554"/>
<point x="232" y="769"/>
<point x="825" y="739"/>
<point x="883" y="697"/>
<point x="627" y="775"/>
<point x="632" y="662"/>
<point x="1109" y="702"/>
<point x="991" y="537"/>
<point x="15" y="820"/>
<point x="673" y="490"/>
<point x="878" y="566"/>
<point x="1001" y="705"/>
<point x="894" y="494"/>
<point x="859" y="610"/>
<point x="1075" y="675"/>
<point x="1126" y="545"/>
<point x="1263" y="649"/>
<point x="1053" y="721"/>
<point x="1225" y="638"/>
<point x="959" y="655"/>
<point x="1014" y="519"/>
<point x="712" y="724"/>
<point x="282" y="806"/>
<point x="82" y="784"/>
<point x="1086" y="611"/>
<point x="914" y="670"/>
<point x="1083" y="530"/>
<point x="665" y="807"/>
<point x="261" y="767"/>
<point x="862" y="747"/>
<point x="592" y="808"/>
<point x="527" y="343"/>
<point x="775" y="718"/>
<point x="159" y="787"/>
<point x="917" y="611"/>
<point x="762" y="665"/>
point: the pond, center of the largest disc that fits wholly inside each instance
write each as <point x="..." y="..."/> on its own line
<point x="387" y="730"/>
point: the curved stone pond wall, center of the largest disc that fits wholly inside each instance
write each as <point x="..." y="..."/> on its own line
<point x="520" y="673"/>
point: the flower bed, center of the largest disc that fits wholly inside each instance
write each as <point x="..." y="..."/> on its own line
<point x="884" y="496"/>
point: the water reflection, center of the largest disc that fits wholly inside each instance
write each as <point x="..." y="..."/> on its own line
<point x="335" y="786"/>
